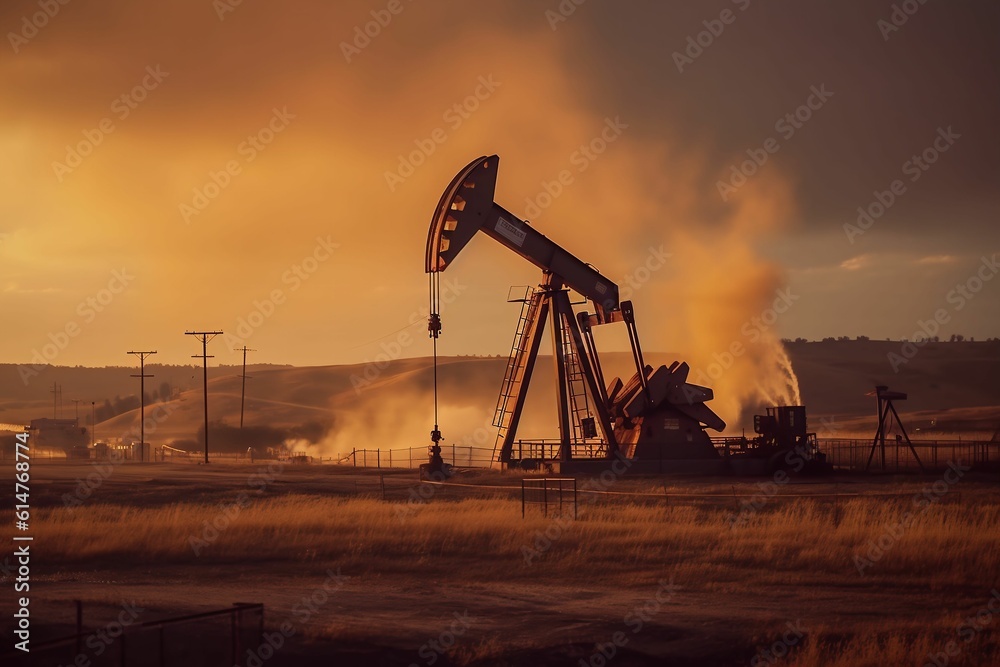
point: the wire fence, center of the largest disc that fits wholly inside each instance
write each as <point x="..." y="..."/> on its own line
<point x="853" y="455"/>
<point x="842" y="454"/>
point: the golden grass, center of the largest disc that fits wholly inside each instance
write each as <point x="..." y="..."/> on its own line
<point x="951" y="544"/>
<point x="802" y="543"/>
<point x="897" y="645"/>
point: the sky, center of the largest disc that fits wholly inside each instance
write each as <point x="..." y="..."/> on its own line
<point x="270" y="171"/>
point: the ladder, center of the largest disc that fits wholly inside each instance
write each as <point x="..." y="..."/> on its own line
<point x="576" y="386"/>
<point x="514" y="374"/>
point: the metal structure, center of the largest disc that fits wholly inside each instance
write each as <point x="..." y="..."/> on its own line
<point x="243" y="391"/>
<point x="142" y="397"/>
<point x="227" y="636"/>
<point x="783" y="442"/>
<point x="204" y="337"/>
<point x="549" y="493"/>
<point x="56" y="400"/>
<point x="886" y="413"/>
<point x="657" y="414"/>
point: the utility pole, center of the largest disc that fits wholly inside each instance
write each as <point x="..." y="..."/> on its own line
<point x="76" y="407"/>
<point x="243" y="393"/>
<point x="142" y="398"/>
<point x="56" y="395"/>
<point x="204" y="337"/>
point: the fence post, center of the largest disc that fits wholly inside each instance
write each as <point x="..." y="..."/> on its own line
<point x="390" y="458"/>
<point x="354" y="456"/>
<point x="79" y="626"/>
<point x="378" y="458"/>
<point x="234" y="644"/>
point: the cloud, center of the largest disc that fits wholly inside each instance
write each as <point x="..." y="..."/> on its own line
<point x="937" y="259"/>
<point x="856" y="263"/>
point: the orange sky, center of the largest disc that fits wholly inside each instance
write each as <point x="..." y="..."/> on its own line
<point x="252" y="171"/>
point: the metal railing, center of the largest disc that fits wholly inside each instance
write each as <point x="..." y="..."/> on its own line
<point x="546" y="449"/>
<point x="193" y="640"/>
<point x="848" y="454"/>
<point x="458" y="456"/>
<point x="555" y="493"/>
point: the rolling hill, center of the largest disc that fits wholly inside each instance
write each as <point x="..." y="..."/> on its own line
<point x="954" y="385"/>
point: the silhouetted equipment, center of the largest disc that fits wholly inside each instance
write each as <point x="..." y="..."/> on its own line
<point x="656" y="415"/>
<point x="886" y="413"/>
<point x="204" y="337"/>
<point x="142" y="400"/>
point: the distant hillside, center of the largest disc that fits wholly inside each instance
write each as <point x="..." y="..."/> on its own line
<point x="365" y="406"/>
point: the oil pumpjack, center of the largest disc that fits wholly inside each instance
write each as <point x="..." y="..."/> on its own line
<point x="654" y="417"/>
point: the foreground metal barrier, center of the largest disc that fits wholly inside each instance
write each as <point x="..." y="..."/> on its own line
<point x="550" y="492"/>
<point x="207" y="639"/>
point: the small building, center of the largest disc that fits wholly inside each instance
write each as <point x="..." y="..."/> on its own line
<point x="65" y="434"/>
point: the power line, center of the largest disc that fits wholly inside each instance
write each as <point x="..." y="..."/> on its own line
<point x="204" y="337"/>
<point x="243" y="393"/>
<point x="142" y="398"/>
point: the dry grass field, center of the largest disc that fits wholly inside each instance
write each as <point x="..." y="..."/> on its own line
<point x="694" y="572"/>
